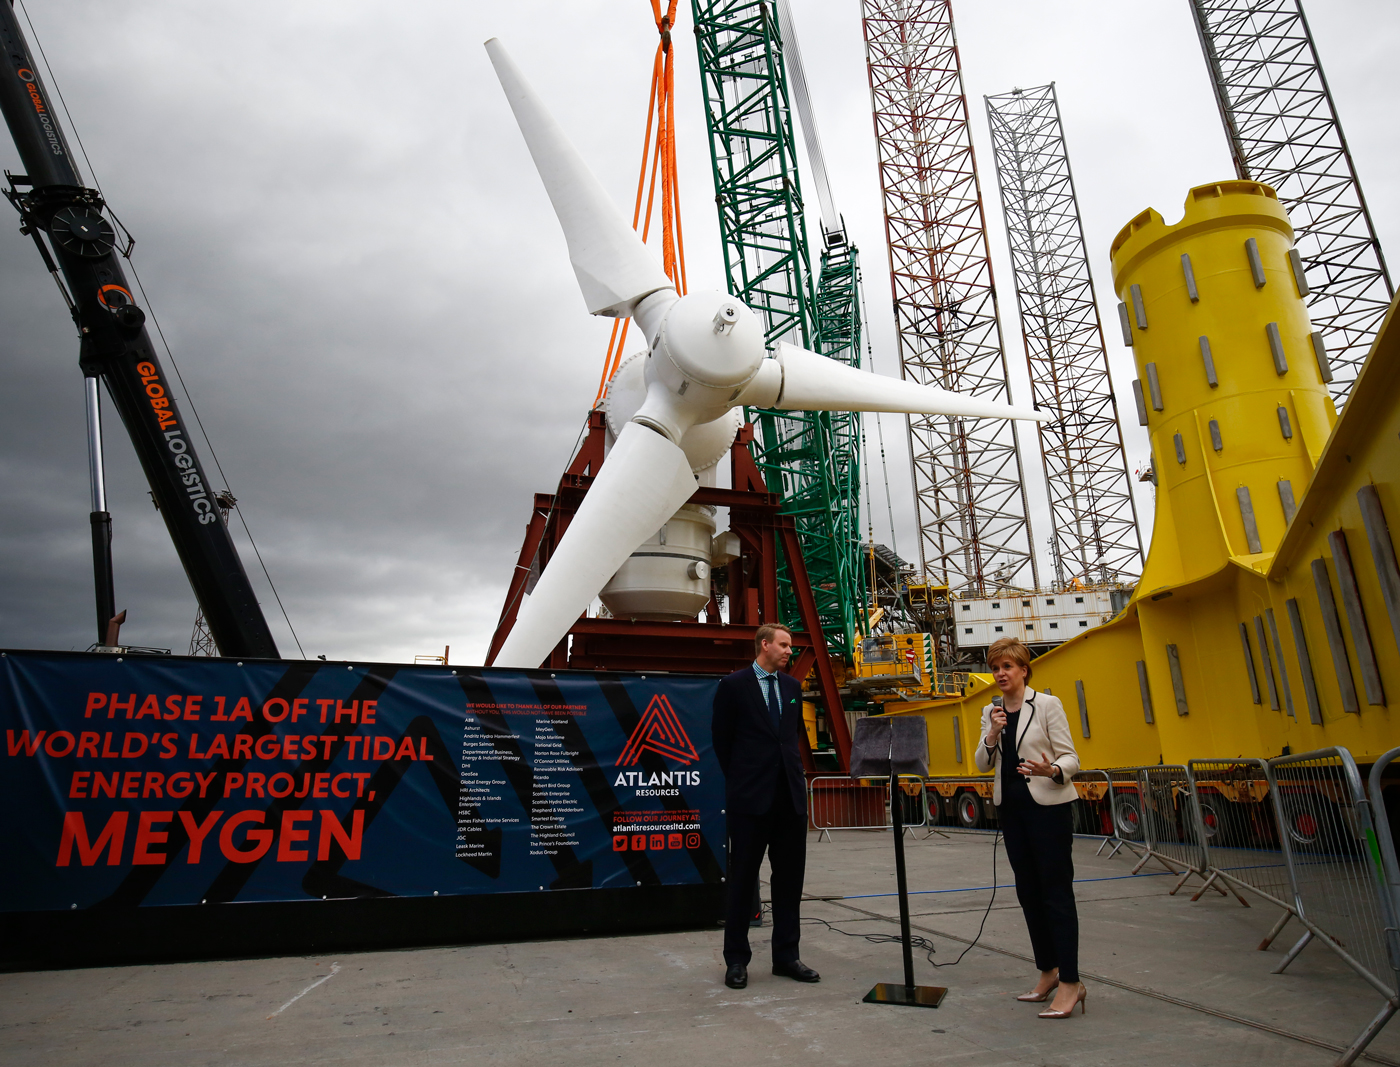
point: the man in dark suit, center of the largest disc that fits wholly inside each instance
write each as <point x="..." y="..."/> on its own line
<point x="757" y="729"/>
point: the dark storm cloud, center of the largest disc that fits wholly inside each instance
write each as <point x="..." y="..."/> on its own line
<point x="362" y="281"/>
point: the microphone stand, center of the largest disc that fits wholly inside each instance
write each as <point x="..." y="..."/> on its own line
<point x="909" y="995"/>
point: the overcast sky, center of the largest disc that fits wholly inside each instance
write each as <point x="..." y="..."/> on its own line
<point x="362" y="281"/>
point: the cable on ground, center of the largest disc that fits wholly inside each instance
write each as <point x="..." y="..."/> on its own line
<point x="915" y="941"/>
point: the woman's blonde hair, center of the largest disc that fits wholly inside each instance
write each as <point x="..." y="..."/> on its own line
<point x="1009" y="646"/>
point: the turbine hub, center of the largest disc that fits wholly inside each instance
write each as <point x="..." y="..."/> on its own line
<point x="710" y="342"/>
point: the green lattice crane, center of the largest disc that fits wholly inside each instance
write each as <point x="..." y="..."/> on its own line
<point x="812" y="459"/>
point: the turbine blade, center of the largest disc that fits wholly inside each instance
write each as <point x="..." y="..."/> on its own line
<point x="614" y="269"/>
<point x="643" y="483"/>
<point x="815" y="383"/>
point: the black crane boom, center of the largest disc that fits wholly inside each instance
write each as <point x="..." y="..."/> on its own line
<point x="115" y="346"/>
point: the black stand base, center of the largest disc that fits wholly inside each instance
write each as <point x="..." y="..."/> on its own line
<point x="910" y="996"/>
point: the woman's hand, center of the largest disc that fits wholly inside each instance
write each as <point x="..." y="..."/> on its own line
<point x="998" y="724"/>
<point x="1042" y="768"/>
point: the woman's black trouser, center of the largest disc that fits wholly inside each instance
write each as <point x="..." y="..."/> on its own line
<point x="1039" y="842"/>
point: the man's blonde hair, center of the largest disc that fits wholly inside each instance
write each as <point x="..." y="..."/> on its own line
<point x="767" y="632"/>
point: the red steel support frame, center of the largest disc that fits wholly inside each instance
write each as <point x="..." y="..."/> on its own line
<point x="969" y="493"/>
<point x="713" y="646"/>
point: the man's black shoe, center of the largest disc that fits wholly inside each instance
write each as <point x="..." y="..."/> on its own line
<point x="796" y="970"/>
<point x="737" y="976"/>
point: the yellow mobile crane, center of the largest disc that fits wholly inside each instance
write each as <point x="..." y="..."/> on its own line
<point x="1267" y="618"/>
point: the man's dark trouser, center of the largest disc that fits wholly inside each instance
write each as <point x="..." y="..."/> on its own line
<point x="783" y="833"/>
<point x="1039" y="842"/>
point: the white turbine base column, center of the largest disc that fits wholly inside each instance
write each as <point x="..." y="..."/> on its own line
<point x="668" y="576"/>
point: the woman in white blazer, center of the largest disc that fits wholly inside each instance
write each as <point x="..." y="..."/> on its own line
<point x="1026" y="741"/>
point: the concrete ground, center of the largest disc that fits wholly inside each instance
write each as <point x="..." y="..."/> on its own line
<point x="1170" y="982"/>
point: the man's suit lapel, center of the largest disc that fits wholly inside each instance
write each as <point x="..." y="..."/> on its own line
<point x="757" y="690"/>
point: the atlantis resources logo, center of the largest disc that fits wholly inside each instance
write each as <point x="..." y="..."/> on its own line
<point x="661" y="732"/>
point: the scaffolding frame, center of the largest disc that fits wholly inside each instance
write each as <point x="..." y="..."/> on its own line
<point x="1095" y="536"/>
<point x="969" y="485"/>
<point x="1282" y="129"/>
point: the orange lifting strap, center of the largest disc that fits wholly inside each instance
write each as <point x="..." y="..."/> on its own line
<point x="662" y="158"/>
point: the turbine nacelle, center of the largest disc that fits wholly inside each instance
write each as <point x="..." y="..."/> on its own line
<point x="708" y="347"/>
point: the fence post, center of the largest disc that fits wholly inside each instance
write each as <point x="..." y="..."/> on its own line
<point x="1389" y="865"/>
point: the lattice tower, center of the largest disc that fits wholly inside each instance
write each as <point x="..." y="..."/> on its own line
<point x="1095" y="534"/>
<point x="1283" y="130"/>
<point x="969" y="494"/>
<point x="810" y="458"/>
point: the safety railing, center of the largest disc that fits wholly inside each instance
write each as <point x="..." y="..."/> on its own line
<point x="1154" y="814"/>
<point x="1343" y="890"/>
<point x="1388" y="870"/>
<point x="1240" y="833"/>
<point x="1328" y="833"/>
<point x="1170" y="820"/>
<point x="1298" y="831"/>
<point x="1093" y="811"/>
<point x="1127" y="806"/>
<point x="966" y="803"/>
<point x="842" y="803"/>
<point x="961" y="802"/>
<point x="1386" y="857"/>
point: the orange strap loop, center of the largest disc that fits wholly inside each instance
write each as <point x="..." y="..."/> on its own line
<point x="658" y="159"/>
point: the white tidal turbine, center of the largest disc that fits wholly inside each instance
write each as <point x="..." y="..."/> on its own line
<point x="707" y="357"/>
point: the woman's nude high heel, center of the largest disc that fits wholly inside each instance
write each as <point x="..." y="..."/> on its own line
<point x="1051" y="1013"/>
<point x="1039" y="998"/>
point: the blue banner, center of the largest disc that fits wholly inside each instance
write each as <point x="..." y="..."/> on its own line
<point x="143" y="781"/>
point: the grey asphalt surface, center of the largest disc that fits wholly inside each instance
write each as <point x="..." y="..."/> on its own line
<point x="1170" y="982"/>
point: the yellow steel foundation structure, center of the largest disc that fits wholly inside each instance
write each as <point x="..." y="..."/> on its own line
<point x="1268" y="614"/>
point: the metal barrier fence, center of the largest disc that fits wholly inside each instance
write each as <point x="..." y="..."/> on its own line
<point x="1093" y="811"/>
<point x="841" y="803"/>
<point x="1127" y="804"/>
<point x="1240" y="834"/>
<point x="1330" y="838"/>
<point x="1343" y="891"/>
<point x="1388" y="865"/>
<point x="963" y="802"/>
<point x="1153" y="814"/>
<point x="1389" y="860"/>
<point x="1297" y="831"/>
<point x="1170" y="821"/>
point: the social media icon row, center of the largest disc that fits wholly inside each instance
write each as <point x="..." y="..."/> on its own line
<point x="654" y="842"/>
